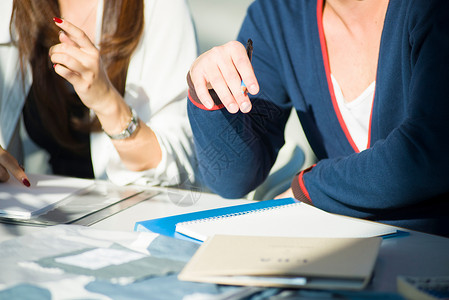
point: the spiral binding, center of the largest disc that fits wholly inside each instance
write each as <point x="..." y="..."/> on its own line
<point x="232" y="215"/>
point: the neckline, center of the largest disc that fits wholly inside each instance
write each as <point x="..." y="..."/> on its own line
<point x="325" y="56"/>
<point x="361" y="97"/>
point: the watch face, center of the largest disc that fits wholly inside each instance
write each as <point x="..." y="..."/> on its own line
<point x="129" y="130"/>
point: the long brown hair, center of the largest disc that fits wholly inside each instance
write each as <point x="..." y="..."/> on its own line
<point x="34" y="33"/>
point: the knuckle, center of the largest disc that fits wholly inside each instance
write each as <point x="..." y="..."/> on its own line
<point x="4" y="156"/>
<point x="241" y="60"/>
<point x="4" y="176"/>
<point x="215" y="51"/>
<point x="233" y="44"/>
<point x="198" y="84"/>
<point x="65" y="60"/>
<point x="231" y="75"/>
<point x="215" y="77"/>
<point x="202" y="94"/>
<point x="80" y="34"/>
<point x="63" y="47"/>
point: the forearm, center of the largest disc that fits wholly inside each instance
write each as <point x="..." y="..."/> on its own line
<point x="236" y="151"/>
<point x="402" y="172"/>
<point x="226" y="164"/>
<point x="140" y="151"/>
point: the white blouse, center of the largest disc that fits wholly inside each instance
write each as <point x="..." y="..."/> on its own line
<point x="356" y="114"/>
<point x="155" y="87"/>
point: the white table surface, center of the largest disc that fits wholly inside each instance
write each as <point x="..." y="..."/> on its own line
<point x="416" y="254"/>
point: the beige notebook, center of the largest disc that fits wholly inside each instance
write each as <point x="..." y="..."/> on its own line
<point x="319" y="263"/>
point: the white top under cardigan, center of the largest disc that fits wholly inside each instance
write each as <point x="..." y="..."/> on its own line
<point x="357" y="113"/>
<point x="155" y="88"/>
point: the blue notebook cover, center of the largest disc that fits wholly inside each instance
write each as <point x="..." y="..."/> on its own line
<point x="167" y="226"/>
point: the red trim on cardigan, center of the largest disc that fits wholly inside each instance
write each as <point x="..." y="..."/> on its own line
<point x="302" y="186"/>
<point x="301" y="182"/>
<point x="201" y="106"/>
<point x="319" y="15"/>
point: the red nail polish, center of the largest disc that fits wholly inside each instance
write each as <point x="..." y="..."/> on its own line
<point x="26" y="182"/>
<point x="57" y="20"/>
<point x="54" y="65"/>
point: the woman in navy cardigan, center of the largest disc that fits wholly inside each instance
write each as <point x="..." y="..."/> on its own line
<point x="370" y="83"/>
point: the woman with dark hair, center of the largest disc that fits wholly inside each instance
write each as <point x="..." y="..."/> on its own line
<point x="99" y="85"/>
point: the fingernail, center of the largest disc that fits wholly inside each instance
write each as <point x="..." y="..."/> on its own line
<point x="54" y="65"/>
<point x="245" y="107"/>
<point x="57" y="20"/>
<point x="233" y="108"/>
<point x="209" y="104"/>
<point x="253" y="89"/>
<point x="26" y="182"/>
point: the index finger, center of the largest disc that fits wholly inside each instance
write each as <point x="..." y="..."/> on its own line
<point x="245" y="68"/>
<point x="9" y="164"/>
<point x="74" y="33"/>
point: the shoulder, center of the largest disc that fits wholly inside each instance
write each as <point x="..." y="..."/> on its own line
<point x="282" y="14"/>
<point x="280" y="19"/>
<point x="423" y="12"/>
<point x="286" y="7"/>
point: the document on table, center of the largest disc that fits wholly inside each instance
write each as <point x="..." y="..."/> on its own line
<point x="290" y="220"/>
<point x="319" y="263"/>
<point x="46" y="191"/>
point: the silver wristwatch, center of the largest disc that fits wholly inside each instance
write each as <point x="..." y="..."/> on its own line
<point x="132" y="127"/>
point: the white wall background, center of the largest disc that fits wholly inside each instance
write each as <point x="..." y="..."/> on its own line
<point x="217" y="21"/>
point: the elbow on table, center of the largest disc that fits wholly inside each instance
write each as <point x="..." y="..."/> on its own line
<point x="233" y="181"/>
<point x="229" y="189"/>
<point x="231" y="193"/>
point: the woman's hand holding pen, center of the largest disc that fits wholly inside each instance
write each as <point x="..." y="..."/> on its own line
<point x="224" y="68"/>
<point x="9" y="165"/>
<point x="77" y="60"/>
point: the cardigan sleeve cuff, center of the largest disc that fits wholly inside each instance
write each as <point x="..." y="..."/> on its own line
<point x="196" y="101"/>
<point x="299" y="189"/>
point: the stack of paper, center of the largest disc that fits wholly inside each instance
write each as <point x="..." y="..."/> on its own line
<point x="18" y="201"/>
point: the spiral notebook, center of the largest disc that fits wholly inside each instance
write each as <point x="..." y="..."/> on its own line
<point x="289" y="220"/>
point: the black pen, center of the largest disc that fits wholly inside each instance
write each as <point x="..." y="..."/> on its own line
<point x="249" y="52"/>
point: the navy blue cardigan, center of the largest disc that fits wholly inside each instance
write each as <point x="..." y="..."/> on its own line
<point x="403" y="176"/>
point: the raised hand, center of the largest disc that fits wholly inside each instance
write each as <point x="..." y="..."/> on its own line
<point x="223" y="68"/>
<point x="77" y="60"/>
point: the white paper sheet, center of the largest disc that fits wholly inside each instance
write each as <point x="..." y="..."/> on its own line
<point x="99" y="258"/>
<point x="292" y="220"/>
<point x="19" y="201"/>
